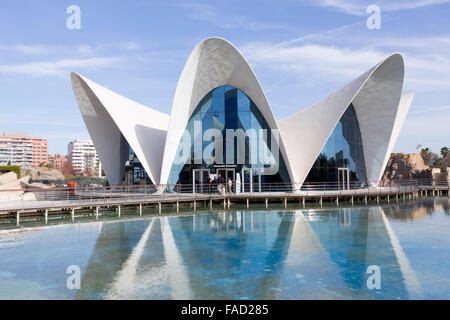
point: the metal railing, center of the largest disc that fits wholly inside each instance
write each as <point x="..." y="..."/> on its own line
<point x="173" y="191"/>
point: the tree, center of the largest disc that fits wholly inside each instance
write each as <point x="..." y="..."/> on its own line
<point x="66" y="167"/>
<point x="426" y="155"/>
<point x="444" y="152"/>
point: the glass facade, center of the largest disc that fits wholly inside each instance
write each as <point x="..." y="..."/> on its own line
<point x="343" y="150"/>
<point x="225" y="108"/>
<point x="137" y="173"/>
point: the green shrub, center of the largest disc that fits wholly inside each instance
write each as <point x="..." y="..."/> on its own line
<point x="5" y="169"/>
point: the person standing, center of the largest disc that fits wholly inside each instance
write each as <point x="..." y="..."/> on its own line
<point x="230" y="185"/>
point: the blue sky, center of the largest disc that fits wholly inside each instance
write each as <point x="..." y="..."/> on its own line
<point x="301" y="51"/>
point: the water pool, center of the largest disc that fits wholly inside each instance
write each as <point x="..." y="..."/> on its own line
<point x="327" y="253"/>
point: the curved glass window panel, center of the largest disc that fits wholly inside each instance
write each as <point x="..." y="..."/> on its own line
<point x="224" y="108"/>
<point x="343" y="149"/>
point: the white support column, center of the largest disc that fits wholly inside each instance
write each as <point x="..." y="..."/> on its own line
<point x="73" y="214"/>
<point x="285" y="203"/>
<point x="195" y="205"/>
<point x="118" y="211"/>
<point x="96" y="213"/>
<point x="178" y="206"/>
<point x="267" y="203"/>
<point x="46" y="216"/>
<point x="248" y="203"/>
<point x="17" y="218"/>
<point x="210" y="204"/>
<point x="159" y="207"/>
<point x="140" y="209"/>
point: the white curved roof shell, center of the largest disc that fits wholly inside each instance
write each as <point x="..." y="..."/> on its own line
<point x="375" y="96"/>
<point x="114" y="121"/>
<point x="214" y="62"/>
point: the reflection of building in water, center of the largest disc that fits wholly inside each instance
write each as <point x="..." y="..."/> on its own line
<point x="258" y="255"/>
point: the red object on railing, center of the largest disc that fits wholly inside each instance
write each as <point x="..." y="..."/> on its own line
<point x="72" y="185"/>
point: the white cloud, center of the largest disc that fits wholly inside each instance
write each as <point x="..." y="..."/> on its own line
<point x="57" y="68"/>
<point x="313" y="59"/>
<point x="26" y="49"/>
<point x="359" y="7"/>
<point x="209" y="14"/>
<point x="425" y="70"/>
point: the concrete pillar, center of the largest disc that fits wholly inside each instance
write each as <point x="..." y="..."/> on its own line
<point x="337" y="201"/>
<point x="267" y="203"/>
<point x="304" y="202"/>
<point x="320" y="201"/>
<point x="73" y="214"/>
<point x="178" y="206"/>
<point x="96" y="213"/>
<point x="378" y="199"/>
<point x="365" y="199"/>
<point x="224" y="203"/>
<point x="352" y="200"/>
<point x="159" y="207"/>
<point x="388" y="198"/>
<point x="396" y="197"/>
<point x="285" y="203"/>
<point x="248" y="203"/>
<point x="118" y="210"/>
<point x="140" y="209"/>
<point x="195" y="205"/>
<point x="229" y="203"/>
<point x="17" y="219"/>
<point x="46" y="216"/>
<point x="210" y="204"/>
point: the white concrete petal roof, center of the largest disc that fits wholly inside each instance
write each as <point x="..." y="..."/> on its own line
<point x="113" y="122"/>
<point x="375" y="96"/>
<point x="214" y="62"/>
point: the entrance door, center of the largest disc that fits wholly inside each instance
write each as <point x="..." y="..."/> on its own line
<point x="251" y="180"/>
<point x="227" y="173"/>
<point x="200" y="180"/>
<point x="343" y="179"/>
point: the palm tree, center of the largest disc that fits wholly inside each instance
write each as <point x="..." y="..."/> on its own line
<point x="426" y="155"/>
<point x="444" y="152"/>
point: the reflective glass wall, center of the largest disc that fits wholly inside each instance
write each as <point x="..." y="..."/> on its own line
<point x="343" y="150"/>
<point x="223" y="108"/>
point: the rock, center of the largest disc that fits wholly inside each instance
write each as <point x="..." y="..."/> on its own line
<point x="14" y="185"/>
<point x="406" y="167"/>
<point x="8" y="177"/>
<point x="37" y="185"/>
<point x="43" y="174"/>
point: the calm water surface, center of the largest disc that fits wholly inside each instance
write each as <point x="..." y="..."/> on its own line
<point x="286" y="254"/>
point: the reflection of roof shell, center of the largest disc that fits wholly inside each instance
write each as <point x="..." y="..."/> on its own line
<point x="114" y="121"/>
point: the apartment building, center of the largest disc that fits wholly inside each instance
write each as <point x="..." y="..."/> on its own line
<point x="20" y="149"/>
<point x="84" y="157"/>
<point x="56" y="161"/>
